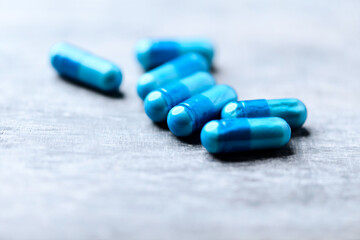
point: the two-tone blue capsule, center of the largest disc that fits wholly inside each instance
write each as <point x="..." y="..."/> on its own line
<point x="192" y="114"/>
<point x="84" y="67"/>
<point x="292" y="110"/>
<point x="159" y="102"/>
<point x="244" y="134"/>
<point x="154" y="52"/>
<point x="174" y="70"/>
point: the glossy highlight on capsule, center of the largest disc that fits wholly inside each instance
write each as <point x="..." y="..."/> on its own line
<point x="154" y="52"/>
<point x="192" y="114"/>
<point x="84" y="67"/>
<point x="158" y="103"/>
<point x="292" y="110"/>
<point x="245" y="134"/>
<point x="174" y="70"/>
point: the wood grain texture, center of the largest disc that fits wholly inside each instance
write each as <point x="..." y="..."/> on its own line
<point x="75" y="164"/>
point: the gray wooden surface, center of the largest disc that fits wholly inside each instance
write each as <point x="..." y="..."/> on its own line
<point x="75" y="164"/>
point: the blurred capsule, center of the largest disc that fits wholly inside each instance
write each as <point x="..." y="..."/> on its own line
<point x="154" y="52"/>
<point x="244" y="134"/>
<point x="174" y="70"/>
<point x="159" y="102"/>
<point x="191" y="115"/>
<point x="292" y="110"/>
<point x="84" y="67"/>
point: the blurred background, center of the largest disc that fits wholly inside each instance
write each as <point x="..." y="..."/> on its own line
<point x="75" y="164"/>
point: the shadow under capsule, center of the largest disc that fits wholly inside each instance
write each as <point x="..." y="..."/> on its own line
<point x="300" y="132"/>
<point x="214" y="69"/>
<point x="161" y="125"/>
<point x="257" y="155"/>
<point x="193" y="139"/>
<point x="117" y="94"/>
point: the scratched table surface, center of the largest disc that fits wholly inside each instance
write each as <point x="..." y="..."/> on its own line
<point x="77" y="164"/>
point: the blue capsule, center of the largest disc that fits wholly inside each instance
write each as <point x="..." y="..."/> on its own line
<point x="292" y="110"/>
<point x="191" y="115"/>
<point x="159" y="102"/>
<point x="84" y="67"/>
<point x="244" y="134"/>
<point x="154" y="52"/>
<point x="174" y="70"/>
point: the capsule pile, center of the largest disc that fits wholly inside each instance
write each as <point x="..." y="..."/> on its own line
<point x="179" y="89"/>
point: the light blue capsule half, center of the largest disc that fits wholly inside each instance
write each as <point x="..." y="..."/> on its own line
<point x="244" y="134"/>
<point x="84" y="67"/>
<point x="154" y="52"/>
<point x="292" y="110"/>
<point x="191" y="115"/>
<point x="158" y="103"/>
<point x="174" y="70"/>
